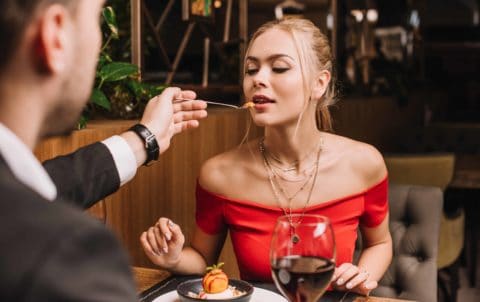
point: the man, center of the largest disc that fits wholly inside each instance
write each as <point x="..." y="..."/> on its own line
<point x="50" y="251"/>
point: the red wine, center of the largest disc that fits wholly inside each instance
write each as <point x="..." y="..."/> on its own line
<point x="302" y="278"/>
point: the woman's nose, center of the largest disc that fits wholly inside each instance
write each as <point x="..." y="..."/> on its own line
<point x="260" y="79"/>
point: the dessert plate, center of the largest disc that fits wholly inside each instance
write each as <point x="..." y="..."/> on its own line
<point x="259" y="295"/>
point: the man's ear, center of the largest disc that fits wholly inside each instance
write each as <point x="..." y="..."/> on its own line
<point x="320" y="84"/>
<point x="52" y="48"/>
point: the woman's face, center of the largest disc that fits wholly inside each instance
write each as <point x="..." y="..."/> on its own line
<point x="273" y="79"/>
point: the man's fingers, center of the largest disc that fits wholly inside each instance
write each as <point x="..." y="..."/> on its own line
<point x="171" y="92"/>
<point x="186" y="94"/>
<point x="189" y="115"/>
<point x="183" y="126"/>
<point x="189" y="105"/>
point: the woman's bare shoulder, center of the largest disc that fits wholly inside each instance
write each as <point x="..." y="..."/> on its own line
<point x="218" y="172"/>
<point x="364" y="159"/>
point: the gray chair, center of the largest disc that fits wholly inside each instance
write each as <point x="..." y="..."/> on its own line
<point x="415" y="213"/>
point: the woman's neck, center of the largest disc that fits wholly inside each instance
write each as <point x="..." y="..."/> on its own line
<point x="289" y="146"/>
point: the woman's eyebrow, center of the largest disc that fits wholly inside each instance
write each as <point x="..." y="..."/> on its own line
<point x="269" y="58"/>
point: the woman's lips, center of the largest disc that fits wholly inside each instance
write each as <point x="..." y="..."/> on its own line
<point x="261" y="102"/>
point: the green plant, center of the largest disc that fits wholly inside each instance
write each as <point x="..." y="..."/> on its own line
<point x="118" y="90"/>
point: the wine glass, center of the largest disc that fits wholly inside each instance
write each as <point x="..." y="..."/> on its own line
<point x="302" y="256"/>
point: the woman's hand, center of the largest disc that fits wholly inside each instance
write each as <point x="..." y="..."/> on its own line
<point x="163" y="243"/>
<point x="349" y="277"/>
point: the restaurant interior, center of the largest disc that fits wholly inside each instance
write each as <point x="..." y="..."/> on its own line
<point x="407" y="77"/>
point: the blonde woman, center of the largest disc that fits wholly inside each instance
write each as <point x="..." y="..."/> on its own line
<point x="298" y="167"/>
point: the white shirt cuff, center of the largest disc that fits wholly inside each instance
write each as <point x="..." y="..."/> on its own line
<point x="123" y="157"/>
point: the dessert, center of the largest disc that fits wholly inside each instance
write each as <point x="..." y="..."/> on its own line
<point x="215" y="281"/>
<point x="215" y="285"/>
<point x="248" y="104"/>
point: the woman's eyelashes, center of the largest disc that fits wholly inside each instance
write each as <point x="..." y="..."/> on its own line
<point x="253" y="71"/>
<point x="280" y="69"/>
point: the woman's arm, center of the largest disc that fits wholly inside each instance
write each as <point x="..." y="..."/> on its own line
<point x="377" y="250"/>
<point x="374" y="260"/>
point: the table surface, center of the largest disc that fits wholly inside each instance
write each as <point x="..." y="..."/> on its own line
<point x="146" y="278"/>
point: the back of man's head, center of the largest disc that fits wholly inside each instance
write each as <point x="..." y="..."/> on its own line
<point x="15" y="15"/>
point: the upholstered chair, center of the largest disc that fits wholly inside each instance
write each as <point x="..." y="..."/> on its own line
<point x="435" y="169"/>
<point x="414" y="225"/>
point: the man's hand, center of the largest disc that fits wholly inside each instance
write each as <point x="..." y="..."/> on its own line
<point x="165" y="118"/>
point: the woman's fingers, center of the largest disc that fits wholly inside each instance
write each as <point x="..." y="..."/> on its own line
<point x="369" y="285"/>
<point x="146" y="245"/>
<point x="177" y="235"/>
<point x="339" y="276"/>
<point x="357" y="279"/>
<point x="161" y="240"/>
<point x="152" y="240"/>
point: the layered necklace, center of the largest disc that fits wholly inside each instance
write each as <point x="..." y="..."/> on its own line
<point x="279" y="190"/>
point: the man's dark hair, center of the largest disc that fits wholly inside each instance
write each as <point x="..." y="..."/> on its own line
<point x="15" y="15"/>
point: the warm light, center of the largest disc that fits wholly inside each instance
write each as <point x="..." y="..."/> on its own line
<point x="217" y="3"/>
<point x="372" y="15"/>
<point x="357" y="14"/>
<point x="330" y="21"/>
<point x="414" y="19"/>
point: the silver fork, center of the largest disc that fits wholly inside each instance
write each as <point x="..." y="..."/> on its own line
<point x="180" y="100"/>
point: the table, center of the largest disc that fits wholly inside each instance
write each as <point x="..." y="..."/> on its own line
<point x="466" y="187"/>
<point x="153" y="282"/>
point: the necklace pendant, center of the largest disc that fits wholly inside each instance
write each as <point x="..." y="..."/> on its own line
<point x="295" y="239"/>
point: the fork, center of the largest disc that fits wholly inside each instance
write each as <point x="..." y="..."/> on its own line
<point x="244" y="106"/>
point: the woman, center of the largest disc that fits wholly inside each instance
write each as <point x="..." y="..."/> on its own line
<point x="297" y="167"/>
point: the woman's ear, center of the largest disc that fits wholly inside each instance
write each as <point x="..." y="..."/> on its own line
<point x="320" y="84"/>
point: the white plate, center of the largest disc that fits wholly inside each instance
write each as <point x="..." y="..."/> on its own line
<point x="259" y="295"/>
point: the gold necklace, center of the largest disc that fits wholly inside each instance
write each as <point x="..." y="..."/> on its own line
<point x="283" y="173"/>
<point x="290" y="166"/>
<point x="295" y="237"/>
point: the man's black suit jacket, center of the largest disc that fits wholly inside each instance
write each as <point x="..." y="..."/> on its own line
<point x="52" y="251"/>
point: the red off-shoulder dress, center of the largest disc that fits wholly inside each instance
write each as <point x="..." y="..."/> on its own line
<point x="251" y="224"/>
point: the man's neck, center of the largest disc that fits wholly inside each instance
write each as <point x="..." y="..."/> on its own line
<point x="22" y="117"/>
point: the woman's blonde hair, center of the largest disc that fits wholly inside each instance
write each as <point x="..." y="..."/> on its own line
<point x="315" y="54"/>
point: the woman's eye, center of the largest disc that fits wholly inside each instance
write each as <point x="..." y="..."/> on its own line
<point x="251" y="71"/>
<point x="280" y="69"/>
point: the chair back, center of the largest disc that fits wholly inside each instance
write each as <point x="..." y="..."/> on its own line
<point x="425" y="169"/>
<point x="414" y="226"/>
<point x="432" y="169"/>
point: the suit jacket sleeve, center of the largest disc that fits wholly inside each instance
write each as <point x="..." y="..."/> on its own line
<point x="85" y="176"/>
<point x="87" y="265"/>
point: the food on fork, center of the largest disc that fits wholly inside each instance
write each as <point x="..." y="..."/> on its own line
<point x="248" y="104"/>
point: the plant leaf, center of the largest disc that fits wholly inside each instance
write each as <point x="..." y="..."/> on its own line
<point x="117" y="71"/>
<point x="111" y="20"/>
<point x="82" y="123"/>
<point x="100" y="99"/>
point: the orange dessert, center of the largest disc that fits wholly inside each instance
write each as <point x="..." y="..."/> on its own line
<point x="215" y="281"/>
<point x="215" y="285"/>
